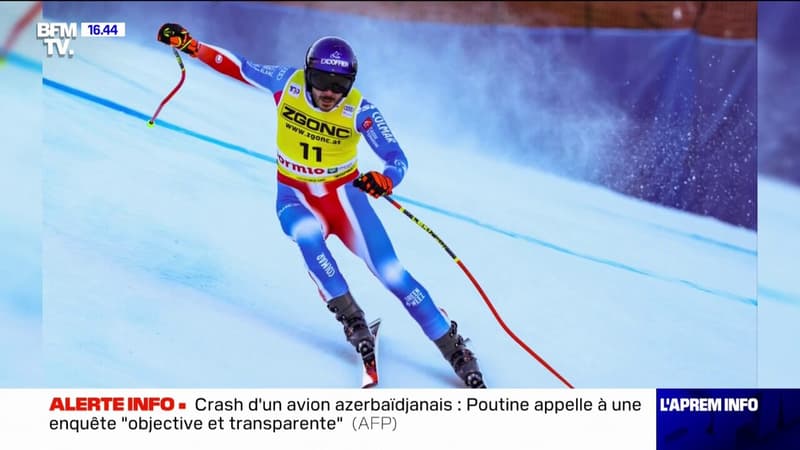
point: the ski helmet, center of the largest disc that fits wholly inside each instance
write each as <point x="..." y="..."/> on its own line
<point x="331" y="64"/>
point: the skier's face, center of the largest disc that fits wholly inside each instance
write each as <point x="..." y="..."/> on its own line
<point x="325" y="100"/>
<point x="328" y="88"/>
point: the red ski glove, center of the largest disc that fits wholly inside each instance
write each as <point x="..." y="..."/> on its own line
<point x="374" y="183"/>
<point x="176" y="36"/>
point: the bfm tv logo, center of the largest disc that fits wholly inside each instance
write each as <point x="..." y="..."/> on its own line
<point x="56" y="37"/>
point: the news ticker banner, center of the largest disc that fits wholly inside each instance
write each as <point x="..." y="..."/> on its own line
<point x="344" y="419"/>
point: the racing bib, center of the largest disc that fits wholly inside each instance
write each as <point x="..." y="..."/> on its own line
<point x="315" y="146"/>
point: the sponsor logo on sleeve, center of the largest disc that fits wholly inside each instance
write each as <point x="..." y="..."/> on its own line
<point x="367" y="123"/>
<point x="372" y="136"/>
<point x="281" y="73"/>
<point x="365" y="107"/>
<point x="384" y="129"/>
<point x="266" y="70"/>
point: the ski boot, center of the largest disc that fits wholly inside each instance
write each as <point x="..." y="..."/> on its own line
<point x="356" y="330"/>
<point x="460" y="357"/>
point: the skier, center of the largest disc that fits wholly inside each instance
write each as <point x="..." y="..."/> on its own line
<point x="321" y="118"/>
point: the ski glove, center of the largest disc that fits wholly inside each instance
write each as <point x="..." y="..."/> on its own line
<point x="374" y="183"/>
<point x="176" y="36"/>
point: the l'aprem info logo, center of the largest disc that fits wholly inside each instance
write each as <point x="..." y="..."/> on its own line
<point x="57" y="36"/>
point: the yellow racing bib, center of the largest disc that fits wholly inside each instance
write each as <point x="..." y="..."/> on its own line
<point x="316" y="146"/>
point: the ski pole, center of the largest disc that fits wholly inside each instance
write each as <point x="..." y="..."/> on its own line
<point x="152" y="120"/>
<point x="23" y="22"/>
<point x="480" y="290"/>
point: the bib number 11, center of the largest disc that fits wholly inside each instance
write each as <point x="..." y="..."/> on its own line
<point x="317" y="151"/>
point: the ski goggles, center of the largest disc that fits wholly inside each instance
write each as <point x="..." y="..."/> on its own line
<point x="326" y="81"/>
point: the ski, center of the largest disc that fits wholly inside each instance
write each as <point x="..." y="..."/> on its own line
<point x="369" y="375"/>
